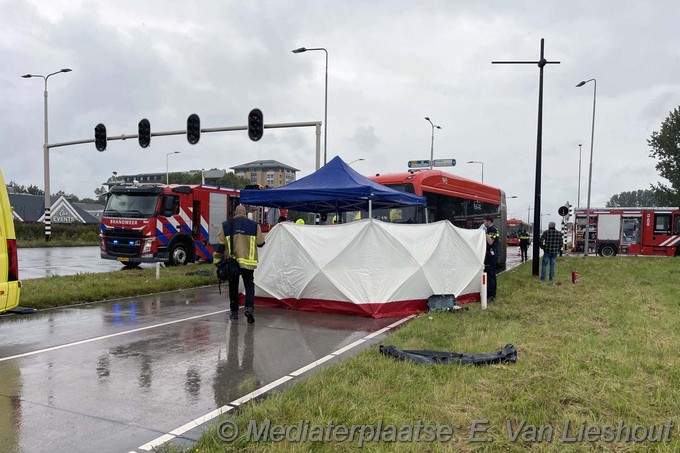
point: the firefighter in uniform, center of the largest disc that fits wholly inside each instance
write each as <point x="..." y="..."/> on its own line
<point x="523" y="244"/>
<point x="247" y="237"/>
<point x="491" y="258"/>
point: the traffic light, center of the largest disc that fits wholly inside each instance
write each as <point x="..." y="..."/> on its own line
<point x="193" y="129"/>
<point x="144" y="136"/>
<point x="255" y="125"/>
<point x="100" y="137"/>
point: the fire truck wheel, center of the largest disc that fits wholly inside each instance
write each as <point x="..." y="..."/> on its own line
<point x="608" y="250"/>
<point x="178" y="255"/>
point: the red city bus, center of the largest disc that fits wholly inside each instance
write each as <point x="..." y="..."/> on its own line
<point x="463" y="202"/>
<point x="515" y="227"/>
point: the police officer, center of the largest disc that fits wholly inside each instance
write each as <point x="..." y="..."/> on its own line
<point x="523" y="244"/>
<point x="491" y="258"/>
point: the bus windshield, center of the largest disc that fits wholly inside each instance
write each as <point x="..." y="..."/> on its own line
<point x="136" y="205"/>
<point x="514" y="229"/>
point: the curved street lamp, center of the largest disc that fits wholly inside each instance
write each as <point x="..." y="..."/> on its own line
<point x="432" y="142"/>
<point x="590" y="172"/>
<point x="478" y="162"/>
<point x="46" y="155"/>
<point x="356" y="160"/>
<point x="325" y="102"/>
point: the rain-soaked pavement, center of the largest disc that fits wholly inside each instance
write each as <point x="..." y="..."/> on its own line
<point x="48" y="261"/>
<point x="118" y="376"/>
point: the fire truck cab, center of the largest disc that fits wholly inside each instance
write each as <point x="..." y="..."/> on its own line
<point x="629" y="231"/>
<point x="177" y="224"/>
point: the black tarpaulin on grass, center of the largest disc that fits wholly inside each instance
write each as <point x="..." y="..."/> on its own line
<point x="507" y="355"/>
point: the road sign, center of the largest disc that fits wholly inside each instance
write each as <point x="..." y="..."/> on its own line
<point x="563" y="211"/>
<point x="418" y="163"/>
<point x="445" y="162"/>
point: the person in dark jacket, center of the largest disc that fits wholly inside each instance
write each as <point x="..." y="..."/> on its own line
<point x="491" y="258"/>
<point x="523" y="244"/>
<point x="247" y="236"/>
<point x="551" y="243"/>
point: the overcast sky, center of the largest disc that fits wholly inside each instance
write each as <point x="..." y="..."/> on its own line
<point x="391" y="63"/>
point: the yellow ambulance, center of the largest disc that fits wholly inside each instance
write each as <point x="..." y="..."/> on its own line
<point x="9" y="267"/>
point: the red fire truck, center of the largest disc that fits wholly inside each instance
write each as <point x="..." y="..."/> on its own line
<point x="629" y="231"/>
<point x="176" y="224"/>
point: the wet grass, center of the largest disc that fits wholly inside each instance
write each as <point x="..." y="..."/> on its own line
<point x="59" y="291"/>
<point x="595" y="353"/>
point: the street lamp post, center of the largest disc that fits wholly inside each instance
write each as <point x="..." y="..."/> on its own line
<point x="46" y="156"/>
<point x="590" y="171"/>
<point x="578" y="199"/>
<point x="478" y="162"/>
<point x="432" y="142"/>
<point x="325" y="102"/>
<point x="167" y="173"/>
<point x="356" y="160"/>
<point x="542" y="220"/>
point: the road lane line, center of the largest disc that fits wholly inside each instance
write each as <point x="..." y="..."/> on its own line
<point x="76" y="343"/>
<point x="348" y="347"/>
<point x="312" y="365"/>
<point x="227" y="408"/>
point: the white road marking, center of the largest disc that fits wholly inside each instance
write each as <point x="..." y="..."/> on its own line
<point x="227" y="408"/>
<point x="76" y="343"/>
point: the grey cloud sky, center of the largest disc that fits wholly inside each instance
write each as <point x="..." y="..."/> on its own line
<point x="391" y="63"/>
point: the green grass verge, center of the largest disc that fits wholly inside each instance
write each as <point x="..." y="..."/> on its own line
<point x="58" y="291"/>
<point x="598" y="352"/>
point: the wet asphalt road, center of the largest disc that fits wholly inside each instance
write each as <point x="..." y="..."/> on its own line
<point x="117" y="376"/>
<point x="48" y="261"/>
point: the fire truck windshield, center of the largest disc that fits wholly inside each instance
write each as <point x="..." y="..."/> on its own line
<point x="136" y="205"/>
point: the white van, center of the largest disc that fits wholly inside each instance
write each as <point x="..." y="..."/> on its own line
<point x="9" y="266"/>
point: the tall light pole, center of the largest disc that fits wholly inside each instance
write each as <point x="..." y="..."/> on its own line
<point x="356" y="160"/>
<point x="432" y="142"/>
<point x="167" y="173"/>
<point x="590" y="172"/>
<point x="529" y="214"/>
<point x="578" y="202"/>
<point x="539" y="149"/>
<point x="325" y="102"/>
<point x="46" y="156"/>
<point x="544" y="214"/>
<point x="478" y="162"/>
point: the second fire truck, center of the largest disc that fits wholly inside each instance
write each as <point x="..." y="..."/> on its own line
<point x="629" y="231"/>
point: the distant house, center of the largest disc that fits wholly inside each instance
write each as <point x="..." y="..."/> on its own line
<point x="266" y="172"/>
<point x="31" y="208"/>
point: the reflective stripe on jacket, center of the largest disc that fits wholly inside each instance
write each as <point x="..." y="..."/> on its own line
<point x="247" y="238"/>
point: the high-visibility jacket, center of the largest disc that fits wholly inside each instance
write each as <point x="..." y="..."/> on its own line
<point x="247" y="237"/>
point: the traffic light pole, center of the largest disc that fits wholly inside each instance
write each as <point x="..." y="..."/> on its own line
<point x="316" y="124"/>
